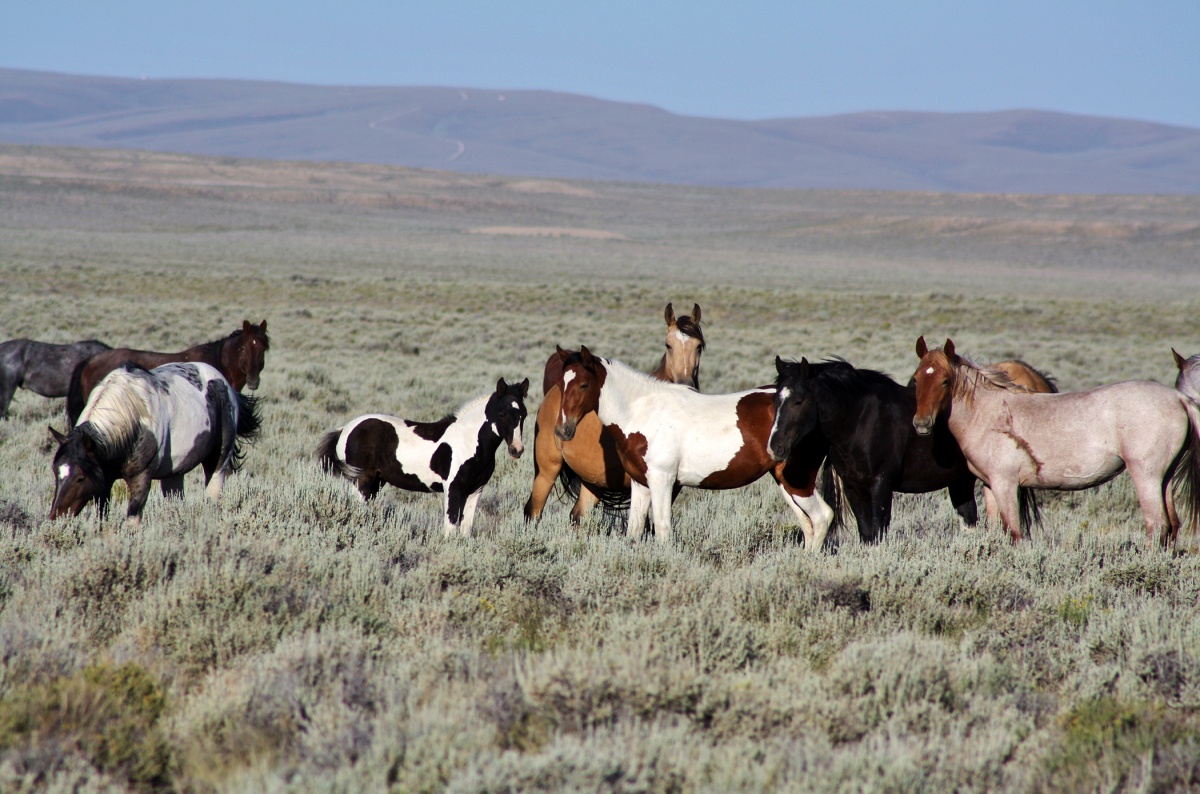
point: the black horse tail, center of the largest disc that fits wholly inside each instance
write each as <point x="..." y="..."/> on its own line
<point x="75" y="400"/>
<point x="832" y="493"/>
<point x="1029" y="509"/>
<point x="330" y="462"/>
<point x="249" y="422"/>
<point x="614" y="501"/>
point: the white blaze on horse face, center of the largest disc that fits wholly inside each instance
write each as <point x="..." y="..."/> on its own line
<point x="568" y="376"/>
<point x="681" y="336"/>
<point x="64" y="472"/>
<point x="929" y="371"/>
<point x="784" y="393"/>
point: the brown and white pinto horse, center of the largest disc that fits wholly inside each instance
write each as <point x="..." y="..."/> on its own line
<point x="667" y="435"/>
<point x="589" y="461"/>
<point x="239" y="357"/>
<point x="1012" y="438"/>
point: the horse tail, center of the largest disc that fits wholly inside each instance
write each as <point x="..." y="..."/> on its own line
<point x="614" y="501"/>
<point x="1188" y="487"/>
<point x="75" y="399"/>
<point x="833" y="494"/>
<point x="1029" y="511"/>
<point x="249" y="423"/>
<point x="330" y="462"/>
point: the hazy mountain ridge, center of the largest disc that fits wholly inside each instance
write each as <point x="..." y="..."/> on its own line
<point x="549" y="134"/>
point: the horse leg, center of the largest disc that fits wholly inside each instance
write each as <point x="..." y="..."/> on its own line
<point x="468" y="519"/>
<point x="991" y="510"/>
<point x="139" y="492"/>
<point x="1152" y="495"/>
<point x="368" y="485"/>
<point x="639" y="506"/>
<point x="660" y="502"/>
<point x="881" y="505"/>
<point x="456" y="505"/>
<point x="962" y="496"/>
<point x="586" y="501"/>
<point x="1172" y="512"/>
<point x="8" y="387"/>
<point x="860" y="504"/>
<point x="172" y="487"/>
<point x="814" y="516"/>
<point x="1008" y="505"/>
<point x="547" y="463"/>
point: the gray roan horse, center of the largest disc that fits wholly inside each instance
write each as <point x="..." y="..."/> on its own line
<point x="1188" y="381"/>
<point x="40" y="367"/>
<point x="1066" y="441"/>
<point x="141" y="425"/>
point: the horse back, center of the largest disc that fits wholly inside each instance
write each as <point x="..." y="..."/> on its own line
<point x="552" y="374"/>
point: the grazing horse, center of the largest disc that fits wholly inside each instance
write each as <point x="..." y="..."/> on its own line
<point x="40" y="367"/>
<point x="141" y="425"/>
<point x="1188" y="380"/>
<point x="666" y="435"/>
<point x="1065" y="441"/>
<point x="239" y="357"/>
<point x="865" y="417"/>
<point x="587" y="465"/>
<point x="454" y="456"/>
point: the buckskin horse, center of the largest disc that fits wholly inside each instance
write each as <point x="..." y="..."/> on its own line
<point x="667" y="434"/>
<point x="587" y="465"/>
<point x="1013" y="438"/>
<point x="239" y="357"/>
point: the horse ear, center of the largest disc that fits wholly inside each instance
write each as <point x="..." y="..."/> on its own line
<point x="89" y="444"/>
<point x="501" y="386"/>
<point x="669" y="314"/>
<point x="263" y="326"/>
<point x="695" y="312"/>
<point x="58" y="437"/>
<point x="922" y="348"/>
<point x="805" y="370"/>
<point x="563" y="355"/>
<point x="586" y="355"/>
<point x="780" y="365"/>
<point x="525" y="388"/>
<point x="1179" y="360"/>
<point x="949" y="349"/>
<point x="246" y="326"/>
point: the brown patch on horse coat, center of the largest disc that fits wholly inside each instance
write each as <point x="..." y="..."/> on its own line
<point x="632" y="449"/>
<point x="755" y="415"/>
<point x="1021" y="443"/>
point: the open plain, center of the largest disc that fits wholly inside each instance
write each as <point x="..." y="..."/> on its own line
<point x="293" y="638"/>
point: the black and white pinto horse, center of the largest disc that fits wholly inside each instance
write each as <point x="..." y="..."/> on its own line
<point x="141" y="425"/>
<point x="454" y="456"/>
<point x="40" y="367"/>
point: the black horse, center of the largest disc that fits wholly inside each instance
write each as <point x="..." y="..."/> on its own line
<point x="866" y="419"/>
<point x="40" y="367"/>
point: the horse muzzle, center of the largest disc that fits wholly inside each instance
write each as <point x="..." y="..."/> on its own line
<point x="923" y="426"/>
<point x="565" y="430"/>
<point x="515" y="450"/>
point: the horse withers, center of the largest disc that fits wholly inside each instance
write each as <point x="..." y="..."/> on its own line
<point x="1013" y="438"/>
<point x="239" y="357"/>
<point x="454" y="456"/>
<point x="587" y="465"/>
<point x="142" y="425"/>
<point x="41" y="367"/>
<point x="667" y="435"/>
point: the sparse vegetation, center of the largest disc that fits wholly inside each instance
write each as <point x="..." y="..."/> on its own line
<point x="293" y="638"/>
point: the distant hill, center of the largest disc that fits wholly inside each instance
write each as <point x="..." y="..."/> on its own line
<point x="547" y="134"/>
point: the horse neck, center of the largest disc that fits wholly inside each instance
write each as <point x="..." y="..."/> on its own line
<point x="471" y="417"/>
<point x="622" y="386"/>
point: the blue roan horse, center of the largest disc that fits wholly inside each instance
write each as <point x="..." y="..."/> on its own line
<point x="40" y="367"/>
<point x="141" y="425"/>
<point x="454" y="456"/>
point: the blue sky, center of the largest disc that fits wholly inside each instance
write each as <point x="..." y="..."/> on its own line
<point x="1130" y="59"/>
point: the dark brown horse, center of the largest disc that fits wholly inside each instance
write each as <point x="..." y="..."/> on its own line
<point x="589" y="461"/>
<point x="240" y="357"/>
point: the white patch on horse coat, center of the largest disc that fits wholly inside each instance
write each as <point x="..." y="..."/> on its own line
<point x="64" y="471"/>
<point x="929" y="371"/>
<point x="681" y="336"/>
<point x="495" y="429"/>
<point x="784" y="393"/>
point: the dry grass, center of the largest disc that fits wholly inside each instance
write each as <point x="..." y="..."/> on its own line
<point x="293" y="638"/>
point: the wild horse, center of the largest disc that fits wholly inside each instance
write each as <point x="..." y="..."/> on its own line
<point x="587" y="465"/>
<point x="239" y="357"/>
<point x="40" y="367"/>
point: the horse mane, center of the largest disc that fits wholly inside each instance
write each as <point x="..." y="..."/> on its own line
<point x="689" y="327"/>
<point x="641" y="378"/>
<point x="987" y="376"/>
<point x="117" y="408"/>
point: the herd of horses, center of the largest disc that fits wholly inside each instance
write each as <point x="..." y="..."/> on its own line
<point x="828" y="433"/>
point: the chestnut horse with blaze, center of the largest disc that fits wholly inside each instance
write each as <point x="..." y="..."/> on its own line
<point x="588" y="461"/>
<point x="667" y="435"/>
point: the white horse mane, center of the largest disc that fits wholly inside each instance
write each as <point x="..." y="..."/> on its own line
<point x="472" y="407"/>
<point x="118" y="407"/>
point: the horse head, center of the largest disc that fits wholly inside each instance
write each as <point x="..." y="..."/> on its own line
<point x="1188" y="380"/>
<point x="795" y="407"/>
<point x="582" y="378"/>
<point x="935" y="381"/>
<point x="252" y="346"/>
<point x="506" y="413"/>
<point x="685" y="343"/>
<point x="79" y="477"/>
